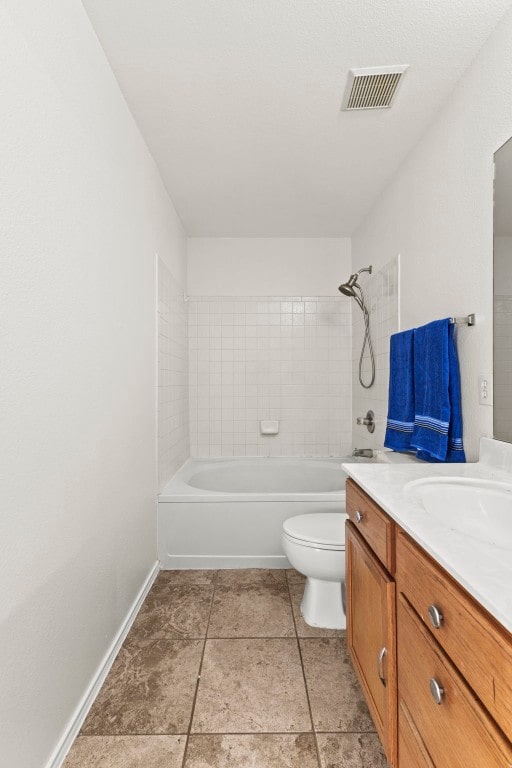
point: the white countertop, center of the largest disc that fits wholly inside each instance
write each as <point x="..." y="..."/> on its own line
<point x="484" y="570"/>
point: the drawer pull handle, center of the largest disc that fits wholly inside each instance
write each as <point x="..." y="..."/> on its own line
<point x="358" y="516"/>
<point x="436" y="690"/>
<point x="380" y="664"/>
<point x="435" y="616"/>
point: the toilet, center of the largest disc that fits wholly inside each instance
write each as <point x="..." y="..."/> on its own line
<point x="315" y="546"/>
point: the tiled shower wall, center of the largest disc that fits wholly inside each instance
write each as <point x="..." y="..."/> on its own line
<point x="381" y="292"/>
<point x="285" y="358"/>
<point x="173" y="403"/>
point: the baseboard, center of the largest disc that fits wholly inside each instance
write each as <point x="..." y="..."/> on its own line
<point x="179" y="562"/>
<point x="76" y="721"/>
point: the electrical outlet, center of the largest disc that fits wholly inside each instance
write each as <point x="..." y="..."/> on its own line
<point x="485" y="387"/>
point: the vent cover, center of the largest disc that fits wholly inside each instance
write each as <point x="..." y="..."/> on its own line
<point x="372" y="87"/>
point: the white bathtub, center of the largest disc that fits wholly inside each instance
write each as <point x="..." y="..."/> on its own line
<point x="228" y="513"/>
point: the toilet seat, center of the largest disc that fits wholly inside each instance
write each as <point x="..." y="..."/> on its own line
<point x="320" y="530"/>
<point x="313" y="544"/>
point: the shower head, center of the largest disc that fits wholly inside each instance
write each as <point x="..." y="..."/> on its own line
<point x="348" y="288"/>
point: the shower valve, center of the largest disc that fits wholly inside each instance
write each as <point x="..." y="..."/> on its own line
<point x="367" y="421"/>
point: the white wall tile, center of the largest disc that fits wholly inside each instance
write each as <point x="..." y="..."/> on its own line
<point x="272" y="366"/>
<point x="173" y="373"/>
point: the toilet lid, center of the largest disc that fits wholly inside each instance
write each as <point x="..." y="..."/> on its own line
<point x="320" y="528"/>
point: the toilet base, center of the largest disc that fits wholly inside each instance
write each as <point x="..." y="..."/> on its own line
<point x="323" y="605"/>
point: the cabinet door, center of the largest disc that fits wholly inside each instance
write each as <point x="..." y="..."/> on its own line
<point x="371" y="632"/>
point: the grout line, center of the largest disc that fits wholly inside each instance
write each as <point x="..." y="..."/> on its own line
<point x="250" y="733"/>
<point x="304" y="678"/>
<point x="359" y="731"/>
<point x="143" y="735"/>
<point x="253" y="637"/>
<point x="220" y="733"/>
<point x="216" y="733"/>
<point x="247" y="637"/>
<point x="185" y="752"/>
<point x="253" y="733"/>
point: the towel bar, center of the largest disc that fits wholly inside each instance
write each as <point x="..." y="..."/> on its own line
<point x="469" y="320"/>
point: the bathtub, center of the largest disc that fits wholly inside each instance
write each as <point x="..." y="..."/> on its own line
<point x="228" y="513"/>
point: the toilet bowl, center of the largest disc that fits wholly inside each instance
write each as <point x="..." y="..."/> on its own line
<point x="315" y="546"/>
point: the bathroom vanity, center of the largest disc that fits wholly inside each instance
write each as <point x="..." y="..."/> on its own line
<point x="429" y="618"/>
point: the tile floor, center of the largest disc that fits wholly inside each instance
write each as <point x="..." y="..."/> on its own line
<point x="220" y="671"/>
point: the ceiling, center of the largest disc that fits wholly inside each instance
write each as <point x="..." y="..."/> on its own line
<point x="239" y="100"/>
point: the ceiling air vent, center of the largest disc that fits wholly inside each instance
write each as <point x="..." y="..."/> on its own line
<point x="372" y="87"/>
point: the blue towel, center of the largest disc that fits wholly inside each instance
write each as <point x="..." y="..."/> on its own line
<point x="437" y="434"/>
<point x="455" y="453"/>
<point x="400" y="421"/>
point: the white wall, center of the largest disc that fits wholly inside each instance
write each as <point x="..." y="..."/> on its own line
<point x="438" y="214"/>
<point x="82" y="214"/>
<point x="267" y="266"/>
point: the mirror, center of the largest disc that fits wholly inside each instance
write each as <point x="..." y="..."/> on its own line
<point x="503" y="293"/>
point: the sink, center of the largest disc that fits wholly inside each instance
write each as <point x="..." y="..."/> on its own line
<point x="478" y="509"/>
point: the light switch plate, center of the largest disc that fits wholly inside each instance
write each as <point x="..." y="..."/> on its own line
<point x="485" y="389"/>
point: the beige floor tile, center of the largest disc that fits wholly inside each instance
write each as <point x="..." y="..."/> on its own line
<point x="303" y="629"/>
<point x="204" y="578"/>
<point x="172" y="612"/>
<point x="351" y="750"/>
<point x="126" y="752"/>
<point x="337" y="702"/>
<point x="259" y="610"/>
<point x="239" y="577"/>
<point x="149" y="690"/>
<point x="252" y="751"/>
<point x="251" y="686"/>
<point x="294" y="577"/>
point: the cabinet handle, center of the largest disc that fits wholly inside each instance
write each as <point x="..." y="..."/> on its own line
<point x="358" y="516"/>
<point x="435" y="616"/>
<point x="436" y="690"/>
<point x="380" y="660"/>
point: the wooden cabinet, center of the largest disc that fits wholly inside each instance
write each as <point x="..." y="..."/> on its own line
<point x="435" y="667"/>
<point x="479" y="648"/>
<point x="371" y="634"/>
<point x="411" y="748"/>
<point x="451" y="725"/>
<point x="373" y="524"/>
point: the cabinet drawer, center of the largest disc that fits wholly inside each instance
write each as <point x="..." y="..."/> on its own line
<point x="458" y="731"/>
<point x="412" y="753"/>
<point x="372" y="523"/>
<point x="478" y="647"/>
